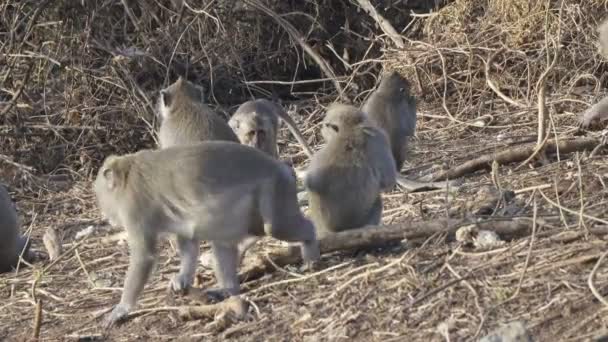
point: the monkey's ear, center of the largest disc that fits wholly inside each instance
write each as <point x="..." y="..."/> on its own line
<point x="234" y="124"/>
<point x="110" y="177"/>
<point x="166" y="96"/>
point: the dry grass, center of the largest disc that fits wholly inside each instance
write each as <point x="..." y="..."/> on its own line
<point x="96" y="102"/>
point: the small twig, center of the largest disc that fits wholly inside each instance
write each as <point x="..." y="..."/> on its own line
<point x="37" y="320"/>
<point x="17" y="94"/>
<point x="590" y="280"/>
<point x="493" y="86"/>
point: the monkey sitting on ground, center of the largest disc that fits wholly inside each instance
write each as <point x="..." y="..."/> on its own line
<point x="392" y="108"/>
<point x="186" y="119"/>
<point x="221" y="192"/>
<point x="256" y="123"/>
<point x="345" y="178"/>
<point x="12" y="243"/>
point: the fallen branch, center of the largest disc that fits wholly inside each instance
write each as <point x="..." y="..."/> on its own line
<point x="233" y="305"/>
<point x="514" y="155"/>
<point x="384" y="24"/>
<point x="368" y="236"/>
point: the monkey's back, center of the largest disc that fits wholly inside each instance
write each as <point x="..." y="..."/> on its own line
<point x="352" y="190"/>
<point x="194" y="123"/>
<point x="397" y="117"/>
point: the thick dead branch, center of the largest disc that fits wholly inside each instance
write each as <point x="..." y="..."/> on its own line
<point x="380" y="235"/>
<point x="514" y="155"/>
<point x="384" y="24"/>
<point x="233" y="305"/>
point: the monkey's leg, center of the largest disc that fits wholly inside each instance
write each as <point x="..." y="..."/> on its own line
<point x="225" y="262"/>
<point x="375" y="213"/>
<point x="206" y="259"/>
<point x="288" y="224"/>
<point x="188" y="251"/>
<point x="142" y="247"/>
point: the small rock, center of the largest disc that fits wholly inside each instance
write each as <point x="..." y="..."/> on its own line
<point x="512" y="332"/>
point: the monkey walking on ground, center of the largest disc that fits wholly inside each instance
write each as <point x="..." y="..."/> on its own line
<point x="345" y="178"/>
<point x="186" y="119"/>
<point x="256" y="123"/>
<point x="199" y="192"/>
<point x="12" y="243"/>
<point x="392" y="108"/>
<point x="598" y="111"/>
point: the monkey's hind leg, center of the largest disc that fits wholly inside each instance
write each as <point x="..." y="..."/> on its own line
<point x="188" y="251"/>
<point x="142" y="255"/>
<point x="225" y="263"/>
<point x="375" y="213"/>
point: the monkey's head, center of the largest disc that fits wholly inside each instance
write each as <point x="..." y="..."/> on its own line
<point x="341" y="118"/>
<point x="393" y="84"/>
<point x="175" y="96"/>
<point x="252" y="130"/>
<point x="109" y="185"/>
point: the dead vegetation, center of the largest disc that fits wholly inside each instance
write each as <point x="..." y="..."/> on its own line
<point x="79" y="80"/>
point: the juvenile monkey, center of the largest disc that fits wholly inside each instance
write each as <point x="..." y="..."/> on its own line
<point x="222" y="192"/>
<point x="186" y="119"/>
<point x="256" y="124"/>
<point x="12" y="243"/>
<point x="345" y="178"/>
<point x="392" y="108"/>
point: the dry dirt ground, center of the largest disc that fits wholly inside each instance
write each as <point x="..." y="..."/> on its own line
<point x="432" y="290"/>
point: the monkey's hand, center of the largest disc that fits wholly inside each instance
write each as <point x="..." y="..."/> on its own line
<point x="118" y="314"/>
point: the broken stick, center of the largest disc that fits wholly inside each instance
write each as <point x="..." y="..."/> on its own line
<point x="514" y="155"/>
<point x="507" y="228"/>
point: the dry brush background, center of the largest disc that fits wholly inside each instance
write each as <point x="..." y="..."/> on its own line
<point x="79" y="80"/>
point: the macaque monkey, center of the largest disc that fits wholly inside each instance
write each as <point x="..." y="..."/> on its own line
<point x="256" y="123"/>
<point x="392" y="108"/>
<point x="186" y="119"/>
<point x="345" y="178"/>
<point x="222" y="192"/>
<point x="12" y="243"/>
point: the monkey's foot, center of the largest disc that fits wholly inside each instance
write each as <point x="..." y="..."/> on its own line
<point x="118" y="314"/>
<point x="181" y="283"/>
<point x="218" y="294"/>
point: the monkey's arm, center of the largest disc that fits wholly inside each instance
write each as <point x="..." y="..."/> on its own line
<point x="597" y="111"/>
<point x="385" y="164"/>
<point x="317" y="179"/>
<point x="142" y="245"/>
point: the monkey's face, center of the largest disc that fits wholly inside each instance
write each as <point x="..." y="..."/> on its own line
<point x="106" y="191"/>
<point x="340" y="118"/>
<point x="329" y="130"/>
<point x="252" y="131"/>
